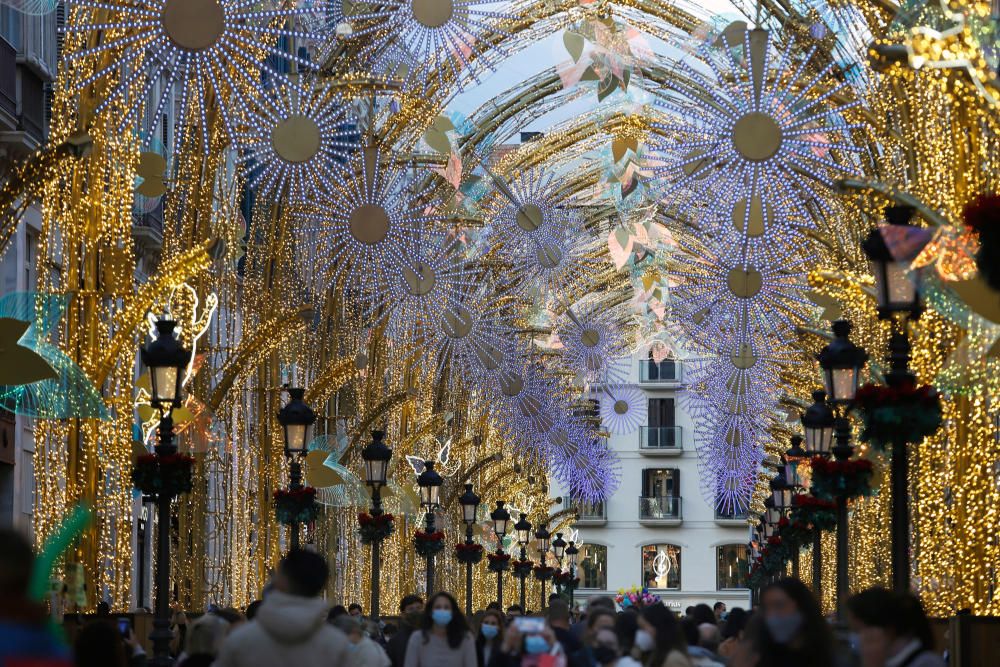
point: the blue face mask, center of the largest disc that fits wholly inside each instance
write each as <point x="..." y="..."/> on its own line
<point x="535" y="644"/>
<point x="489" y="631"/>
<point x="441" y="616"/>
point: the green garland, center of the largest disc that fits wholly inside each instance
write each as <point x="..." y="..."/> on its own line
<point x="169" y="474"/>
<point x="298" y="506"/>
<point x="428" y="544"/>
<point x="905" y="412"/>
<point x="816" y="512"/>
<point x="848" y="479"/>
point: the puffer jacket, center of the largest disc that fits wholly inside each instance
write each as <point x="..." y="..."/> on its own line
<point x="287" y="630"/>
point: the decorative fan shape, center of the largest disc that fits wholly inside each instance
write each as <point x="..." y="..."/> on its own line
<point x="19" y="364"/>
<point x="593" y="344"/>
<point x="528" y="213"/>
<point x="429" y="44"/>
<point x="299" y="135"/>
<point x="623" y="408"/>
<point x="204" y="49"/>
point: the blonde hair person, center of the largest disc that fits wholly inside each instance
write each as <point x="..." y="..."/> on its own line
<point x="204" y="639"/>
<point x="364" y="652"/>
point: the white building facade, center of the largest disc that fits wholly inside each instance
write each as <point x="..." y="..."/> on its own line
<point x="657" y="530"/>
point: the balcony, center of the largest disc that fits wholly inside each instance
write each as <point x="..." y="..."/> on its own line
<point x="8" y="82"/>
<point x="660" y="510"/>
<point x="587" y="514"/>
<point x="666" y="372"/>
<point x="661" y="440"/>
<point x="731" y="517"/>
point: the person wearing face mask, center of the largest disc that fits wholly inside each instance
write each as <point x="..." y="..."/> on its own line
<point x="795" y="634"/>
<point x="490" y="636"/>
<point x="444" y="640"/>
<point x="364" y="651"/>
<point x="534" y="647"/>
<point x="891" y="630"/>
<point x="659" y="639"/>
<point x="411" y="610"/>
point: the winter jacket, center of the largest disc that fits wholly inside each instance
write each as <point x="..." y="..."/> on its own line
<point x="288" y="630"/>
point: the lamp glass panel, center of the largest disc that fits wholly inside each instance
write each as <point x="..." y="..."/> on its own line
<point x="901" y="285"/>
<point x="500" y="526"/>
<point x="792" y="473"/>
<point x="523" y="537"/>
<point x="295" y="437"/>
<point x="773" y="515"/>
<point x="842" y="384"/>
<point x="469" y="513"/>
<point x="376" y="470"/>
<point x="163" y="380"/>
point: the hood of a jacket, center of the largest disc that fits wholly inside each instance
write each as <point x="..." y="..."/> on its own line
<point x="291" y="619"/>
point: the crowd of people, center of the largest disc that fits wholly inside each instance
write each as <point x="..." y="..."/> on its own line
<point x="294" y="625"/>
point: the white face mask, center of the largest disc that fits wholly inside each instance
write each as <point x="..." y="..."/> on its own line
<point x="644" y="641"/>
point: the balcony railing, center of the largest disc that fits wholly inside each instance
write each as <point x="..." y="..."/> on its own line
<point x="666" y="371"/>
<point x="8" y="77"/>
<point x="661" y="439"/>
<point x="730" y="515"/>
<point x="660" y="508"/>
<point x="592" y="513"/>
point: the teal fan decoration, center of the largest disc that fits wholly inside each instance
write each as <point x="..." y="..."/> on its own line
<point x="67" y="392"/>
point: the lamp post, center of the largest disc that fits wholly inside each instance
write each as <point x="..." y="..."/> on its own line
<point x="898" y="301"/>
<point x="430" y="483"/>
<point x="792" y="457"/>
<point x="781" y="500"/>
<point x="470" y="508"/>
<point x="558" y="549"/>
<point x="376" y="456"/>
<point x="167" y="360"/>
<point x="296" y="419"/>
<point x="523" y="531"/>
<point x="572" y="553"/>
<point x="542" y="541"/>
<point x="501" y="521"/>
<point x="817" y="424"/>
<point x="841" y="362"/>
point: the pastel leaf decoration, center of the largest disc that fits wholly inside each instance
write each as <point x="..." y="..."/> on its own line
<point x="443" y="124"/>
<point x="620" y="249"/>
<point x="832" y="309"/>
<point x="574" y="43"/>
<point x="606" y="87"/>
<point x="979" y="297"/>
<point x="590" y="74"/>
<point x="618" y="149"/>
<point x="437" y="140"/>
<point x="58" y="542"/>
<point x="317" y="473"/>
<point x="733" y="34"/>
<point x="18" y="364"/>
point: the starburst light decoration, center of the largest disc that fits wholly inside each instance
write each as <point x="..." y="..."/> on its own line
<point x="299" y="135"/>
<point x="528" y="213"/>
<point x="204" y="49"/>
<point x="593" y="344"/>
<point x="623" y="408"/>
<point x="428" y="43"/>
<point x="361" y="229"/>
<point x="558" y="263"/>
<point x="583" y="463"/>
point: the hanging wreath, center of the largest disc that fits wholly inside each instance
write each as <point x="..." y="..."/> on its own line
<point x="774" y="555"/>
<point x="468" y="553"/>
<point x="544" y="572"/>
<point x="905" y="412"/>
<point x="428" y="544"/>
<point x="758" y="575"/>
<point x="794" y="535"/>
<point x="170" y="474"/>
<point x="982" y="215"/>
<point x="374" y="528"/>
<point x="565" y="580"/>
<point x="816" y="512"/>
<point x="832" y="478"/>
<point x="522" y="568"/>
<point x="298" y="506"/>
<point x="498" y="562"/>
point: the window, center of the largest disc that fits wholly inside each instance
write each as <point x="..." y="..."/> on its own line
<point x="593" y="566"/>
<point x="661" y="482"/>
<point x="732" y="566"/>
<point x="661" y="566"/>
<point x="662" y="371"/>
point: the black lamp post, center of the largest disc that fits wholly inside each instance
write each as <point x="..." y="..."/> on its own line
<point x="572" y="554"/>
<point x="898" y="301"/>
<point x="376" y="456"/>
<point x="167" y="360"/>
<point x="296" y="419"/>
<point x="794" y="455"/>
<point x="817" y="424"/>
<point x="470" y="508"/>
<point x="430" y="483"/>
<point x="781" y="499"/>
<point x="542" y="540"/>
<point x="501" y="522"/>
<point x="523" y="531"/>
<point x="842" y="362"/>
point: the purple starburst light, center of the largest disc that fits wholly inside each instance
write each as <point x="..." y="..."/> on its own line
<point x="360" y="229"/>
<point x="528" y="212"/>
<point x="299" y="135"/>
<point x="593" y="344"/>
<point x="583" y="463"/>
<point x="430" y="44"/>
<point x="561" y="263"/>
<point x="203" y="49"/>
<point x="623" y="408"/>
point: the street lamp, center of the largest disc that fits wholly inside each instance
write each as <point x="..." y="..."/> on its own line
<point x="817" y="423"/>
<point x="296" y="419"/>
<point x="572" y="553"/>
<point x="842" y="362"/>
<point x="898" y="301"/>
<point x="794" y="455"/>
<point x="470" y="508"/>
<point x="559" y="548"/>
<point x="430" y="483"/>
<point x="376" y="456"/>
<point x="523" y="531"/>
<point x="781" y="492"/>
<point x="771" y="513"/>
<point x="501" y="521"/>
<point x="542" y="542"/>
<point x="167" y="360"/>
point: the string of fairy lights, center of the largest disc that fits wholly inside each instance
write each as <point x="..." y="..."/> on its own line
<point x="425" y="280"/>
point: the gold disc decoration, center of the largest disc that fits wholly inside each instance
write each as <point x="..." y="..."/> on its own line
<point x="529" y="217"/>
<point x="756" y="136"/>
<point x="456" y="322"/>
<point x="743" y="358"/>
<point x="369" y="224"/>
<point x="194" y="25"/>
<point x="433" y="13"/>
<point x="590" y="337"/>
<point x="753" y="224"/>
<point x="296" y="139"/>
<point x="549" y="255"/>
<point x="621" y="407"/>
<point x="745" y="282"/>
<point x="511" y="384"/>
<point x="421" y="281"/>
